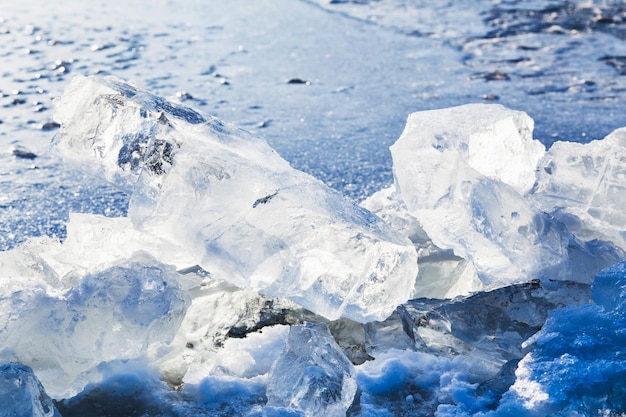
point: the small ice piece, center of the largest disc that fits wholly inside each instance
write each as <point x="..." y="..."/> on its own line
<point x="462" y="173"/>
<point x="21" y="393"/>
<point x="234" y="204"/>
<point x="130" y="310"/>
<point x="312" y="374"/>
<point x="584" y="185"/>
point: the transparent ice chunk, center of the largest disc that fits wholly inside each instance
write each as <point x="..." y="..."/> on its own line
<point x="127" y="311"/>
<point x="234" y="204"/>
<point x="312" y="374"/>
<point x="463" y="173"/>
<point x="584" y="185"/>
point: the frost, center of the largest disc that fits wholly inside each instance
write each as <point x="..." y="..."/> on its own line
<point x="233" y="204"/>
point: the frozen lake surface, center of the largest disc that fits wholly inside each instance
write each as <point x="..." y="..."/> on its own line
<point x="329" y="85"/>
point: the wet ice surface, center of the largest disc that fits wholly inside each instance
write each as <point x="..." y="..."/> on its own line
<point x="329" y="84"/>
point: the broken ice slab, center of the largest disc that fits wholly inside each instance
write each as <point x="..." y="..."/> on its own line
<point x="127" y="311"/>
<point x="441" y="273"/>
<point x="462" y="173"/>
<point x="312" y="374"/>
<point x="233" y="204"/>
<point x="21" y="393"/>
<point x="584" y="186"/>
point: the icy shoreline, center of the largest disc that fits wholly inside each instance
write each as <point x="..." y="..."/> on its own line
<point x="478" y="211"/>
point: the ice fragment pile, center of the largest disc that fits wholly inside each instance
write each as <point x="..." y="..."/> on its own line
<point x="465" y="176"/>
<point x="205" y="285"/>
<point x="233" y="204"/>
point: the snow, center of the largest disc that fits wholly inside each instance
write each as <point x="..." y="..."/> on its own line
<point x="206" y="187"/>
<point x="577" y="365"/>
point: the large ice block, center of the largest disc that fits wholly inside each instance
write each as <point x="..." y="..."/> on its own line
<point x="234" y="204"/>
<point x="462" y="173"/>
<point x="312" y="374"/>
<point x="584" y="185"/>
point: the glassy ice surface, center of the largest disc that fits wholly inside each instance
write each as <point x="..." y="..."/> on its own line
<point x="231" y="202"/>
<point x="329" y="85"/>
<point x="21" y="393"/>
<point x="312" y="374"/>
<point x="582" y="185"/>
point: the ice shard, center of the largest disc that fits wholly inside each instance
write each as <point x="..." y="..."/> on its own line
<point x="463" y="173"/>
<point x="231" y="202"/>
<point x="584" y="186"/>
<point x="312" y="374"/>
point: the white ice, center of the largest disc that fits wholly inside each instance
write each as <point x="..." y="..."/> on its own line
<point x="233" y="204"/>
